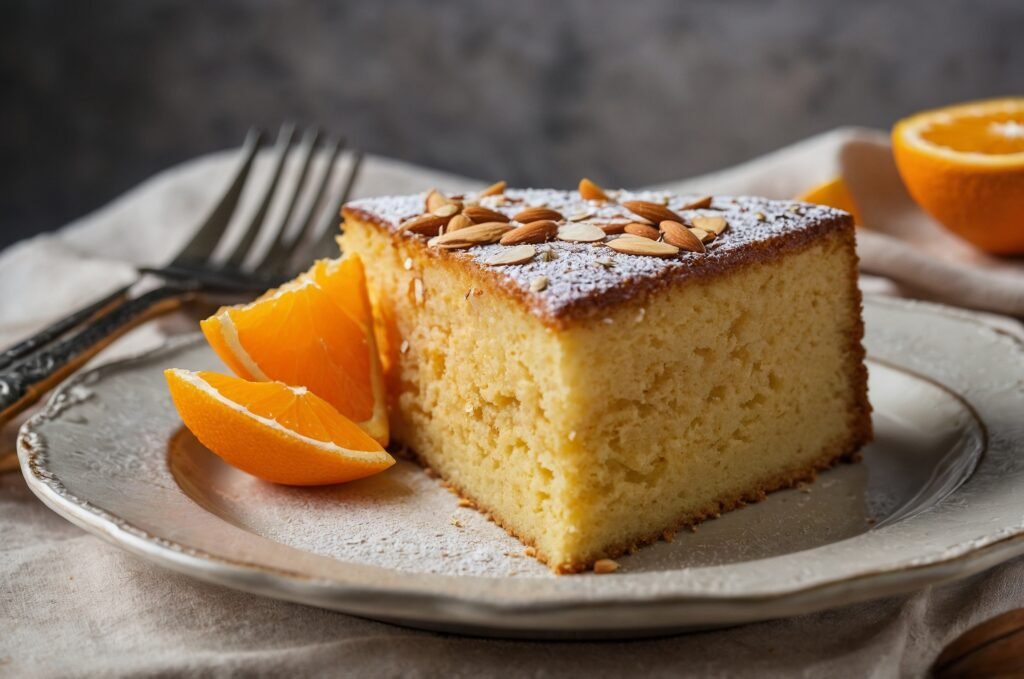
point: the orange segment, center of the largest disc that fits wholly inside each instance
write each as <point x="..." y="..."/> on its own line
<point x="278" y="433"/>
<point x="317" y="332"/>
<point x="832" y="193"/>
<point x="964" y="165"/>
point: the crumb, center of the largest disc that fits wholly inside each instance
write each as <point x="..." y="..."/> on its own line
<point x="871" y="521"/>
<point x="602" y="566"/>
<point x="430" y="472"/>
<point x="530" y="551"/>
<point x="668" y="535"/>
<point x="693" y="527"/>
<point x="463" y="502"/>
<point x="455" y="522"/>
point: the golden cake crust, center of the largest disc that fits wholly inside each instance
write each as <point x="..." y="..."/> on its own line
<point x="584" y="280"/>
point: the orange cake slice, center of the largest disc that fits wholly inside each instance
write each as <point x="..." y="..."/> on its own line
<point x="595" y="372"/>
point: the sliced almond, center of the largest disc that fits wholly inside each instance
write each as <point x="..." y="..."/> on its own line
<point x="424" y="225"/>
<point x="678" y="235"/>
<point x="445" y="210"/>
<point x="519" y="254"/>
<point x="533" y="214"/>
<point x="612" y="228"/>
<point x="702" y="202"/>
<point x="605" y="566"/>
<point x="539" y="283"/>
<point x="636" y="245"/>
<point x="479" y="214"/>
<point x="478" y="234"/>
<point x="715" y="224"/>
<point x="435" y="199"/>
<point x="580" y="232"/>
<point x="651" y="211"/>
<point x="642" y="230"/>
<point x="459" y="222"/>
<point x="535" y="232"/>
<point x="704" y="236"/>
<point x="495" y="189"/>
<point x="591" y="191"/>
<point x="581" y="215"/>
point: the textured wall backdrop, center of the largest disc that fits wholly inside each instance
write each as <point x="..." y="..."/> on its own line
<point x="99" y="95"/>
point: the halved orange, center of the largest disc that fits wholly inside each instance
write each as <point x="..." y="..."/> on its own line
<point x="964" y="165"/>
<point x="273" y="431"/>
<point x="316" y="332"/>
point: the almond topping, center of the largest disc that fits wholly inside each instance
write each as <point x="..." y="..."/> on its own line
<point x="611" y="228"/>
<point x="495" y="189"/>
<point x="478" y="234"/>
<point x="591" y="191"/>
<point x="580" y="216"/>
<point x="424" y="225"/>
<point x="445" y="210"/>
<point x="580" y="232"/>
<point x="603" y="566"/>
<point x="459" y="222"/>
<point x="519" y="254"/>
<point x="678" y="235"/>
<point x="704" y="236"/>
<point x="533" y="214"/>
<point x="651" y="211"/>
<point x="479" y="214"/>
<point x="715" y="225"/>
<point x="539" y="283"/>
<point x="759" y="216"/>
<point x="702" y="202"/>
<point x="642" y="230"/>
<point x="534" y="232"/>
<point x="435" y="199"/>
<point x="635" y="245"/>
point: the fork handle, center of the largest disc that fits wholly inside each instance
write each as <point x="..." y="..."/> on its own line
<point x="24" y="382"/>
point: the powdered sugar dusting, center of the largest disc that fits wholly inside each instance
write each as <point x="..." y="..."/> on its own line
<point x="578" y="272"/>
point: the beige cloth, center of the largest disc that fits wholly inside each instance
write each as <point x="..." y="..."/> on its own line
<point x="72" y="605"/>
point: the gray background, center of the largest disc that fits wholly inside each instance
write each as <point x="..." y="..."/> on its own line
<point x="99" y="95"/>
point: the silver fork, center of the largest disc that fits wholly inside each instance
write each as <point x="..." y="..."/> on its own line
<point x="32" y="367"/>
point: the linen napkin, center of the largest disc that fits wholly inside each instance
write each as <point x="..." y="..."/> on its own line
<point x="897" y="240"/>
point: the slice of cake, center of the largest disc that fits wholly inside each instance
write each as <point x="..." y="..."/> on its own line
<point x="596" y="372"/>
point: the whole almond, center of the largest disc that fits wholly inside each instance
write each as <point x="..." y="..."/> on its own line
<point x="478" y="234"/>
<point x="612" y="228"/>
<point x="634" y="245"/>
<point x="535" y="232"/>
<point x="680" y="236"/>
<point x="424" y="225"/>
<point x="703" y="201"/>
<point x="479" y="214"/>
<point x="519" y="254"/>
<point x="591" y="191"/>
<point x="580" y="232"/>
<point x="533" y="214"/>
<point x="642" y="230"/>
<point x="458" y="222"/>
<point x="715" y="225"/>
<point x="651" y="211"/>
<point x="704" y="236"/>
<point x="495" y="189"/>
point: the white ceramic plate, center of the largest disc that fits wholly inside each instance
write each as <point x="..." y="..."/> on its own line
<point x="939" y="495"/>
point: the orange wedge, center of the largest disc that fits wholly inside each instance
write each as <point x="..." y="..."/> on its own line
<point x="964" y="165"/>
<point x="315" y="331"/>
<point x="278" y="433"/>
<point x="832" y="193"/>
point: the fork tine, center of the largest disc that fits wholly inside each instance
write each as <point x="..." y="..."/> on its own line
<point x="279" y="260"/>
<point x="325" y="244"/>
<point x="284" y="144"/>
<point x="279" y="246"/>
<point x="209" y="234"/>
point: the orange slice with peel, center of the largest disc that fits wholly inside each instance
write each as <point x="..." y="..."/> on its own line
<point x="315" y="331"/>
<point x="832" y="193"/>
<point x="964" y="165"/>
<point x="278" y="433"/>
